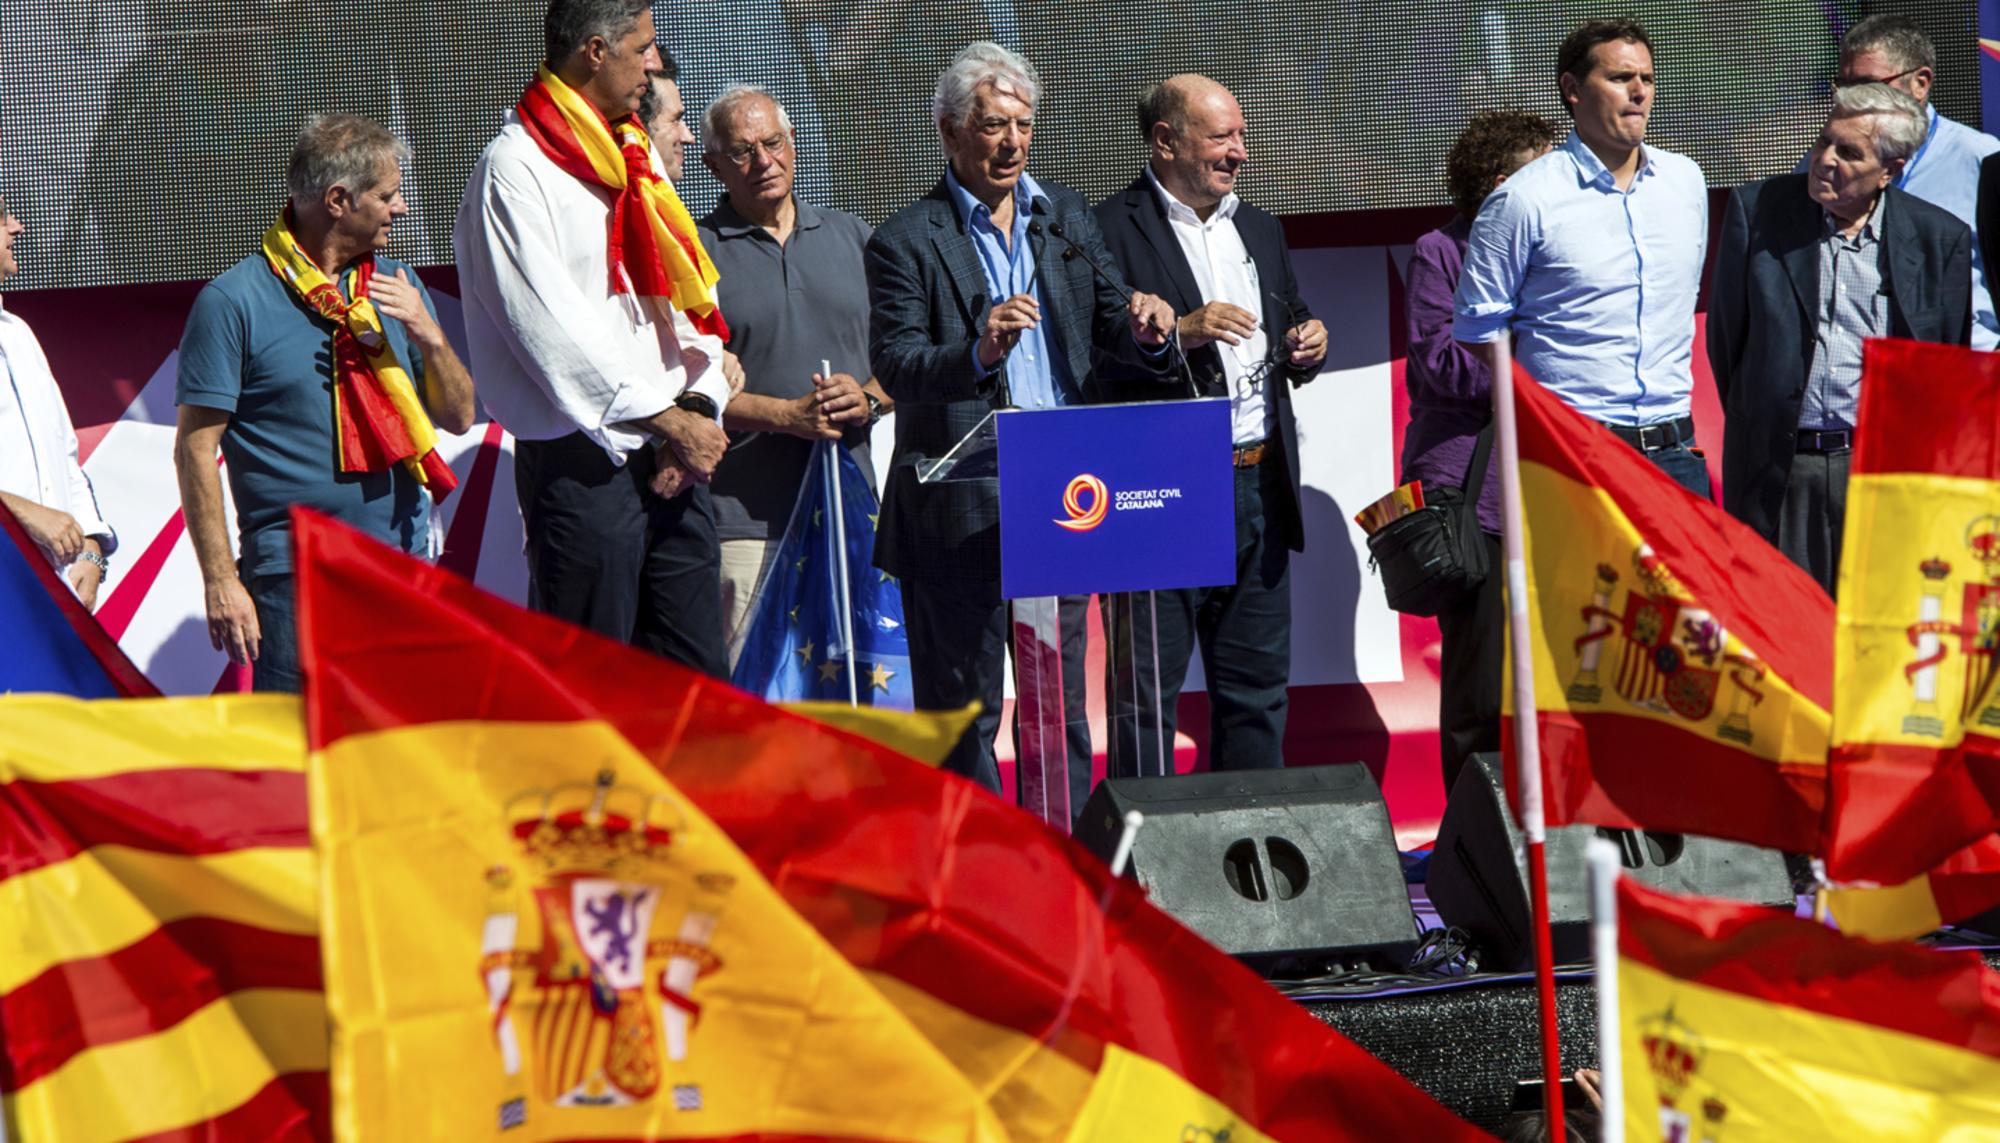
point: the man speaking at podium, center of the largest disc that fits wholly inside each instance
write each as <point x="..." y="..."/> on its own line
<point x="975" y="306"/>
<point x="1180" y="230"/>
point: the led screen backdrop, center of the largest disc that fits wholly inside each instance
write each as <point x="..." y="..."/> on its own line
<point x="144" y="140"/>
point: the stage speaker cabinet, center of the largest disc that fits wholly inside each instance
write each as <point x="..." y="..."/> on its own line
<point x="1478" y="877"/>
<point x="1291" y="870"/>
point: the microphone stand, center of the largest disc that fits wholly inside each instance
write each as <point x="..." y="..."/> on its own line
<point x="1072" y="251"/>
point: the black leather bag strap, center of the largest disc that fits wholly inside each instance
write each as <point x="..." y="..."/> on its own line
<point x="1475" y="477"/>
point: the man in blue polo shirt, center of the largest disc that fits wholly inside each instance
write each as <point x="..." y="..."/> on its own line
<point x="259" y="363"/>
<point x="1591" y="257"/>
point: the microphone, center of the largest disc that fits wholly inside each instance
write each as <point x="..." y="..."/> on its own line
<point x="1003" y="397"/>
<point x="1072" y="250"/>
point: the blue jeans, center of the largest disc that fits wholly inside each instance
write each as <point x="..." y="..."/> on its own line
<point x="1688" y="470"/>
<point x="277" y="665"/>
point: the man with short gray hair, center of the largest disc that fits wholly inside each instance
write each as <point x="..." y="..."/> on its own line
<point x="1944" y="171"/>
<point x="789" y="275"/>
<point x="318" y="309"/>
<point x="1809" y="266"/>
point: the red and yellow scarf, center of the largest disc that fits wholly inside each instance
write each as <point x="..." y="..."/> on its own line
<point x="377" y="416"/>
<point x="652" y="236"/>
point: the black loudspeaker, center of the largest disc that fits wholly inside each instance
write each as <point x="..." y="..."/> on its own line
<point x="1288" y="869"/>
<point x="1478" y="877"/>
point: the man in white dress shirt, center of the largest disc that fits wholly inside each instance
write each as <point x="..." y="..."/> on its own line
<point x="606" y="368"/>
<point x="41" y="482"/>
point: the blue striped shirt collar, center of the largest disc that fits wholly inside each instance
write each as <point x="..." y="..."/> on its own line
<point x="1591" y="171"/>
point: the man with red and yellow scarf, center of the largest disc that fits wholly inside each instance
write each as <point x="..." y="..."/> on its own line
<point x="591" y="317"/>
<point x="319" y="369"/>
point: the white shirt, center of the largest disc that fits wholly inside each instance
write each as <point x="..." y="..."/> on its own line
<point x="38" y="453"/>
<point x="554" y="349"/>
<point x="1223" y="272"/>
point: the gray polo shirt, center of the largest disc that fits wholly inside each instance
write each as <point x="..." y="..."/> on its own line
<point x="788" y="308"/>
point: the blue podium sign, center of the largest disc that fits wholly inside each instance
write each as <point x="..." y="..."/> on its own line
<point x="1107" y="498"/>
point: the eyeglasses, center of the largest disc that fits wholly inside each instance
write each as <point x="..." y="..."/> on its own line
<point x="994" y="126"/>
<point x="1865" y="80"/>
<point x="774" y="147"/>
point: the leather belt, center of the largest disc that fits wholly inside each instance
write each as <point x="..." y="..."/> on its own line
<point x="1250" y="456"/>
<point x="1653" y="438"/>
<point x="1826" y="440"/>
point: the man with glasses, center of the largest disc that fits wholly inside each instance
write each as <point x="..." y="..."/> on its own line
<point x="1590" y="257"/>
<point x="1945" y="170"/>
<point x="974" y="305"/>
<point x="789" y="276"/>
<point x="1180" y="230"/>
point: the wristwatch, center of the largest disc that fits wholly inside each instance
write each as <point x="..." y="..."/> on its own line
<point x="103" y="564"/>
<point x="697" y="404"/>
<point x="874" y="407"/>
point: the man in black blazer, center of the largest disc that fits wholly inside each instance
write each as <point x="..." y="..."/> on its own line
<point x="1179" y="230"/>
<point x="1809" y="265"/>
<point x="975" y="308"/>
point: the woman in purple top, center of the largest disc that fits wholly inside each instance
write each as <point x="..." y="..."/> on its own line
<point x="1449" y="403"/>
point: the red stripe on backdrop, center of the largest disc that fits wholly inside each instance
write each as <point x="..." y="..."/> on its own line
<point x="1594" y="763"/>
<point x="289" y="1109"/>
<point x="1752" y="951"/>
<point x="143" y="988"/>
<point x="1903" y="432"/>
<point x="468" y="525"/>
<point x="123" y="603"/>
<point x="1906" y="807"/>
<point x="184" y="811"/>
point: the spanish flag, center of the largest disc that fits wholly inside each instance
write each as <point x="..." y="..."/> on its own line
<point x="1682" y="665"/>
<point x="627" y="901"/>
<point x="1963" y="886"/>
<point x="1916" y="732"/>
<point x="1742" y="1024"/>
<point x="159" y="964"/>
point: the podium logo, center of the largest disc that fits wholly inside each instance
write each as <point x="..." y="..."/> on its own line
<point x="1082" y="517"/>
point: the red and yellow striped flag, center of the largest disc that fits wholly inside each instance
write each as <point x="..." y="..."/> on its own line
<point x="1742" y="1024"/>
<point x="1960" y="888"/>
<point x="1682" y="665"/>
<point x="1916" y="732"/>
<point x="1058" y="999"/>
<point x="159" y="965"/>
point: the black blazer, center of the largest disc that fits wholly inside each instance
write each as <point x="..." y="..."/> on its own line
<point x="1762" y="302"/>
<point x="929" y="301"/>
<point x="1139" y="236"/>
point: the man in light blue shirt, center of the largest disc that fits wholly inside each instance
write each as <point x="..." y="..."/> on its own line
<point x="1036" y="378"/>
<point x="1945" y="171"/>
<point x="1591" y="258"/>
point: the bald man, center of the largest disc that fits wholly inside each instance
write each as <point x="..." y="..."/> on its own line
<point x="1180" y="232"/>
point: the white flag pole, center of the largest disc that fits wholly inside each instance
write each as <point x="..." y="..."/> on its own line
<point x="840" y="555"/>
<point x="1604" y="866"/>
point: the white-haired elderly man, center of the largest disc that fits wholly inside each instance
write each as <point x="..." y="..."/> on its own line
<point x="264" y="345"/>
<point x="789" y="271"/>
<point x="1809" y="265"/>
<point x="972" y="299"/>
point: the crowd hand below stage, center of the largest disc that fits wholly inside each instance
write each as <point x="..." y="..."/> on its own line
<point x="1218" y="321"/>
<point x="838" y="400"/>
<point x="232" y="619"/>
<point x="54" y="530"/>
<point x="1307" y="342"/>
<point x="1152" y="319"/>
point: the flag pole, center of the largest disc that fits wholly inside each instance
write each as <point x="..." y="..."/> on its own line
<point x="1527" y="736"/>
<point x="1604" y="866"/>
<point x="840" y="553"/>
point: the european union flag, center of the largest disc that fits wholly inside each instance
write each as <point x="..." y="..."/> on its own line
<point x="827" y="624"/>
<point x="53" y="644"/>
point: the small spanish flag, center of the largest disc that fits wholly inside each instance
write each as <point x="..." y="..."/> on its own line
<point x="1745" y="1025"/>
<point x="1916" y="734"/>
<point x="1683" y="667"/>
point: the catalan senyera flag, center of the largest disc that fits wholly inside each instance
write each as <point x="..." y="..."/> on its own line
<point x="1915" y="765"/>
<point x="647" y="905"/>
<point x="159" y="963"/>
<point x="1961" y="887"/>
<point x="1683" y="671"/>
<point x="1745" y="1024"/>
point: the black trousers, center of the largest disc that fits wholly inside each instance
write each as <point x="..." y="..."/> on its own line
<point x="959" y="634"/>
<point x="1470" y="670"/>
<point x="1814" y="514"/>
<point x="1245" y="633"/>
<point x="607" y="554"/>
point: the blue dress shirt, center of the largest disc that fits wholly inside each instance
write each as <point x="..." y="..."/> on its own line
<point x="1037" y="375"/>
<point x="1597" y="284"/>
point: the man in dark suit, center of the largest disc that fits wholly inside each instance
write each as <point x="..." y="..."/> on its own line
<point x="1180" y="230"/>
<point x="1810" y="264"/>
<point x="974" y="308"/>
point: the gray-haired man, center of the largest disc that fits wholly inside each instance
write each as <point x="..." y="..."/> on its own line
<point x="1809" y="265"/>
<point x="265" y="344"/>
<point x="790" y="272"/>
